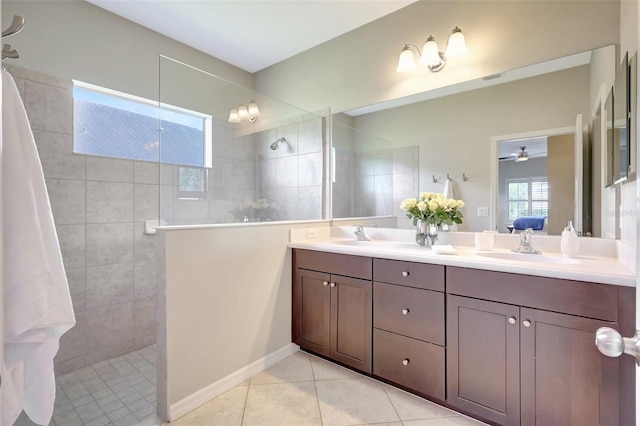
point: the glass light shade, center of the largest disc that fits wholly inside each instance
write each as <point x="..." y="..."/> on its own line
<point x="253" y="109"/>
<point x="406" y="63"/>
<point x="430" y="52"/>
<point x="243" y="112"/>
<point x="521" y="157"/>
<point x="456" y="46"/>
<point x="233" y="116"/>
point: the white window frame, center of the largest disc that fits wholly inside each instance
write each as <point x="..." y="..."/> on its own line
<point x="528" y="200"/>
<point x="208" y="119"/>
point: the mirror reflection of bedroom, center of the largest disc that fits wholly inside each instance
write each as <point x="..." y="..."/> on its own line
<point x="536" y="184"/>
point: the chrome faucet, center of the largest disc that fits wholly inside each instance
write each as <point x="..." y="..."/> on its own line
<point x="525" y="243"/>
<point x="360" y="235"/>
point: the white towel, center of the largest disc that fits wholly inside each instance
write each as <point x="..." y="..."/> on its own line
<point x="37" y="303"/>
<point x="448" y="189"/>
<point x="448" y="193"/>
<point x="443" y="249"/>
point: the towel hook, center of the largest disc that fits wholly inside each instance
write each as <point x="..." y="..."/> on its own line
<point x="449" y="177"/>
<point x="435" y="179"/>
<point x="9" y="52"/>
<point x="16" y="26"/>
<point x="464" y="177"/>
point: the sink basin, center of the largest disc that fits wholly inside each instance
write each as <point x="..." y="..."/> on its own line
<point x="524" y="257"/>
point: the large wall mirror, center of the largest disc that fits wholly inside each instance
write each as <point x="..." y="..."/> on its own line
<point x="472" y="128"/>
<point x="619" y="153"/>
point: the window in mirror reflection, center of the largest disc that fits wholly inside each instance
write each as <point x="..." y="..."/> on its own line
<point x="528" y="197"/>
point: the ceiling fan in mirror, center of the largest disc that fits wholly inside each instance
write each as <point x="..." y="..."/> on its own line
<point x="521" y="155"/>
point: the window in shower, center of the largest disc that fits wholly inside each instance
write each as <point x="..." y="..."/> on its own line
<point x="116" y="124"/>
<point x="192" y="183"/>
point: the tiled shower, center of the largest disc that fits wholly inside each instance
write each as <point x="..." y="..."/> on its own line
<point x="99" y="206"/>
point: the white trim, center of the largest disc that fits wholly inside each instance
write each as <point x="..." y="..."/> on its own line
<point x="495" y="140"/>
<point x="206" y="394"/>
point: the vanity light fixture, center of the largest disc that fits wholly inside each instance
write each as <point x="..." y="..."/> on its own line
<point x="431" y="57"/>
<point x="249" y="112"/>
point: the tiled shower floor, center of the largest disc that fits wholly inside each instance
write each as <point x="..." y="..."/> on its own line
<point x="119" y="391"/>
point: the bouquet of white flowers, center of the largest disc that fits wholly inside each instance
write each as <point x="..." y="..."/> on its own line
<point x="433" y="208"/>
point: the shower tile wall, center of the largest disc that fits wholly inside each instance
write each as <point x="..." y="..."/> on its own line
<point x="291" y="176"/>
<point x="374" y="183"/>
<point x="99" y="206"/>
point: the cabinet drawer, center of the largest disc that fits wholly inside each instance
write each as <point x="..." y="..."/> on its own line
<point x="551" y="294"/>
<point x="420" y="275"/>
<point x="409" y="311"/>
<point x="424" y="369"/>
<point x="333" y="263"/>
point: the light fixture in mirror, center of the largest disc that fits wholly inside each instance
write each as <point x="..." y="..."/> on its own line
<point x="244" y="112"/>
<point x="431" y="56"/>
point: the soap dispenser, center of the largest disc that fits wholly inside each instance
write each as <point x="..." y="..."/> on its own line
<point x="569" y="242"/>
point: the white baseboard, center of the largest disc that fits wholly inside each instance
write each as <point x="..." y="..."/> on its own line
<point x="206" y="394"/>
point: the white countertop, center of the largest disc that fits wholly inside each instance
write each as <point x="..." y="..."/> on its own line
<point x="586" y="267"/>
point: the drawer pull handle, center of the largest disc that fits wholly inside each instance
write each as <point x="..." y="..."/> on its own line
<point x="512" y="320"/>
<point x="405" y="361"/>
<point x="325" y="283"/>
<point x="405" y="311"/>
<point x="405" y="274"/>
<point x="332" y="285"/>
<point x="526" y="323"/>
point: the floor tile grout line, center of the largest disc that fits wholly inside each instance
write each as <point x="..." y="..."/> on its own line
<point x="315" y="387"/>
<point x="246" y="401"/>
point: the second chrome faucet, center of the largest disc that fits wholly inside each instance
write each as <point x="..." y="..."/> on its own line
<point x="525" y="243"/>
<point x="360" y="235"/>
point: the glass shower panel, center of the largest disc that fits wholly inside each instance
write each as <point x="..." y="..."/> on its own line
<point x="371" y="177"/>
<point x="262" y="158"/>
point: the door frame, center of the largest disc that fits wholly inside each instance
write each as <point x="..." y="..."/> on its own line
<point x="495" y="141"/>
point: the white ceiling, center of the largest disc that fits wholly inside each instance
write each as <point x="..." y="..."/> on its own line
<point x="252" y="34"/>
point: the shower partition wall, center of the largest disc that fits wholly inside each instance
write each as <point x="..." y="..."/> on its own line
<point x="265" y="166"/>
<point x="371" y="177"/>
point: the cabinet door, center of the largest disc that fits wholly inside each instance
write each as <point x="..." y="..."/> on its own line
<point x="565" y="380"/>
<point x="351" y="322"/>
<point x="483" y="359"/>
<point x="311" y="307"/>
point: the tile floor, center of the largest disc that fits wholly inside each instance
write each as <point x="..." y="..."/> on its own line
<point x="305" y="390"/>
<point x="301" y="390"/>
<point x="119" y="392"/>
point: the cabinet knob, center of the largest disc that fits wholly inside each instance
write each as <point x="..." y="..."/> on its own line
<point x="405" y="274"/>
<point x="332" y="285"/>
<point x="325" y="283"/>
<point x="405" y="311"/>
<point x="526" y="323"/>
<point x="405" y="361"/>
<point x="512" y="320"/>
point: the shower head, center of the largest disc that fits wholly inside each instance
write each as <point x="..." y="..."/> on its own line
<point x="274" y="145"/>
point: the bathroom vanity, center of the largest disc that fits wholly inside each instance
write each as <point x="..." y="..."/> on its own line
<point x="504" y="346"/>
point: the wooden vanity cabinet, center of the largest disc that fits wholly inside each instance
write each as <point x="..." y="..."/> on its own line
<point x="511" y="363"/>
<point x="483" y="356"/>
<point x="332" y="312"/>
<point x="409" y="325"/>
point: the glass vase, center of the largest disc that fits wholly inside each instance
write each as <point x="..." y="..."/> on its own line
<point x="426" y="233"/>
